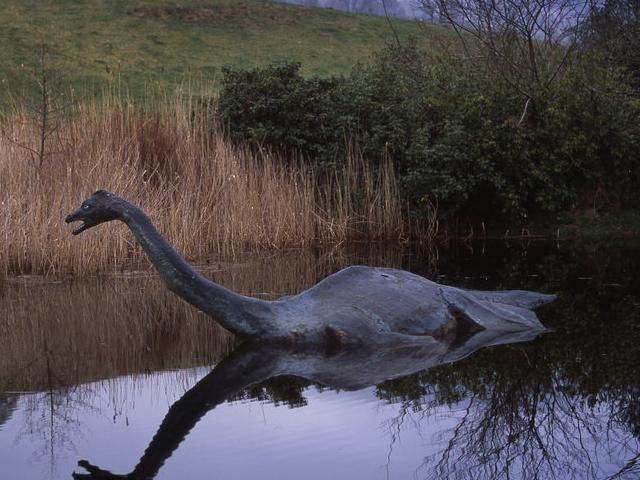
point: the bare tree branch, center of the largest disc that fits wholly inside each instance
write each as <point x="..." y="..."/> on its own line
<point x="527" y="44"/>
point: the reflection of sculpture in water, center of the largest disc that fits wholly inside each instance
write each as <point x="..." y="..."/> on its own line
<point x="357" y="305"/>
<point x="350" y="368"/>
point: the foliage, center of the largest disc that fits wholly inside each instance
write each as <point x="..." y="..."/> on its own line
<point x="484" y="159"/>
<point x="456" y="133"/>
<point x="526" y="44"/>
<point x="278" y="107"/>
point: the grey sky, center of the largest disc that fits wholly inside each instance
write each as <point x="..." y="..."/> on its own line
<point x="397" y="8"/>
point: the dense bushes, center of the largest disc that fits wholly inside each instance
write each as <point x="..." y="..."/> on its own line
<point x="276" y="107"/>
<point x="455" y="132"/>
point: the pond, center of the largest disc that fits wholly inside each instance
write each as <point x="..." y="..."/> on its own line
<point x="113" y="377"/>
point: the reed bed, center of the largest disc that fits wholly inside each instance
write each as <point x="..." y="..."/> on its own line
<point x="206" y="195"/>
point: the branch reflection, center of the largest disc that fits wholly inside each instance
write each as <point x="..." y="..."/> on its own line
<point x="348" y="369"/>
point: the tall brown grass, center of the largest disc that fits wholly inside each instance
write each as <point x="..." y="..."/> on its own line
<point x="204" y="194"/>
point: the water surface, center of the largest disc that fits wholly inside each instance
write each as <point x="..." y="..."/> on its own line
<point x="117" y="372"/>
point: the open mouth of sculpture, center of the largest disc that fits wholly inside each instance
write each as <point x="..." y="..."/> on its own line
<point x="86" y="223"/>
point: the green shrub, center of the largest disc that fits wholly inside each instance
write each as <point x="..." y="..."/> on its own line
<point x="277" y="107"/>
<point x="452" y="130"/>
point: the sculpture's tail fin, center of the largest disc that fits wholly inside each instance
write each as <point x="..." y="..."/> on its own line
<point x="488" y="313"/>
<point x="515" y="298"/>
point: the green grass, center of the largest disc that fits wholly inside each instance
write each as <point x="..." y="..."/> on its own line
<point x="141" y="44"/>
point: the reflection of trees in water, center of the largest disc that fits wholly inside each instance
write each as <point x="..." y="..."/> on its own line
<point x="553" y="409"/>
<point x="515" y="417"/>
<point x="284" y="390"/>
<point x="54" y="422"/>
<point x="7" y="406"/>
<point x="533" y="431"/>
<point x="51" y="421"/>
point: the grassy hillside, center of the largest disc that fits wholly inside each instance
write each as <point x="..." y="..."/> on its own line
<point x="140" y="43"/>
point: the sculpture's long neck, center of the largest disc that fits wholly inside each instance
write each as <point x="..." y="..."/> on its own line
<point x="244" y="316"/>
<point x="240" y="370"/>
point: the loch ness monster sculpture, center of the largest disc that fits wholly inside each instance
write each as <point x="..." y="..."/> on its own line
<point x="357" y="305"/>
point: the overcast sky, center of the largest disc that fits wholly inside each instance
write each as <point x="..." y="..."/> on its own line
<point x="399" y="8"/>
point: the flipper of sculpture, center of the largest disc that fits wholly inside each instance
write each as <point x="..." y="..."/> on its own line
<point x="357" y="305"/>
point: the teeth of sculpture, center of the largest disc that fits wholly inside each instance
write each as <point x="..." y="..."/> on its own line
<point x="79" y="229"/>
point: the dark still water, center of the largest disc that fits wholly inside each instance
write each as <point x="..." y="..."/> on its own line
<point x="117" y="374"/>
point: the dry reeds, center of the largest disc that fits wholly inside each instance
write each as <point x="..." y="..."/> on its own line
<point x="204" y="194"/>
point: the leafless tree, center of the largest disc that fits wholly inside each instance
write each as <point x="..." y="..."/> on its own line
<point x="527" y="43"/>
<point x="42" y="104"/>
